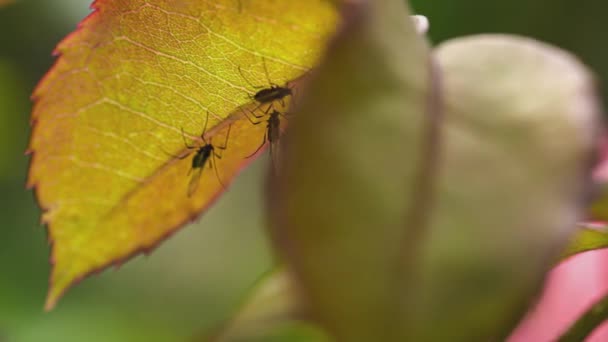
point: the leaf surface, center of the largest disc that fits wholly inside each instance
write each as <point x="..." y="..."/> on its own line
<point x="109" y="116"/>
<point x="588" y="238"/>
<point x="598" y="209"/>
<point x="273" y="312"/>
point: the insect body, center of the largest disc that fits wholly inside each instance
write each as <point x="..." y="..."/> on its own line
<point x="274" y="93"/>
<point x="272" y="134"/>
<point x="273" y="127"/>
<point x="201" y="156"/>
<point x="270" y="94"/>
<point x="199" y="161"/>
<point x="207" y="154"/>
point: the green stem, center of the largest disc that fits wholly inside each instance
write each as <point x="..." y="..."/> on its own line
<point x="587" y="323"/>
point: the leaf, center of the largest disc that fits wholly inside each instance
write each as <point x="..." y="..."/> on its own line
<point x="109" y="115"/>
<point x="288" y="331"/>
<point x="274" y="312"/>
<point x="598" y="210"/>
<point x="519" y="131"/>
<point x="586" y="239"/>
<point x="355" y="173"/>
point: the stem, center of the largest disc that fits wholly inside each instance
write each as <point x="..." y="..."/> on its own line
<point x="587" y="323"/>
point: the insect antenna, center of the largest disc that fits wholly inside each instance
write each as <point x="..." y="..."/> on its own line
<point x="272" y="84"/>
<point x="184" y="155"/>
<point x="205" y="129"/>
<point x="247" y="80"/>
<point x="184" y="139"/>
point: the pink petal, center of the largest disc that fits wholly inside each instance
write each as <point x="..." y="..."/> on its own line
<point x="571" y="288"/>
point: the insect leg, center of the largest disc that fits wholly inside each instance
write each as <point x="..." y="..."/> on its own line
<point x="185" y="142"/>
<point x="260" y="147"/>
<point x="225" y="142"/>
<point x="285" y="115"/>
<point x="251" y="120"/>
<point x="217" y="173"/>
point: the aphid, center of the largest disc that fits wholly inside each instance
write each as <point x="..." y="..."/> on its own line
<point x="270" y="94"/>
<point x="206" y="154"/>
<point x="272" y="134"/>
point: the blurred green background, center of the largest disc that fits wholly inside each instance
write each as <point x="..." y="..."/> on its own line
<point x="196" y="278"/>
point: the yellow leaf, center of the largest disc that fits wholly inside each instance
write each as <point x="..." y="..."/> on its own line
<point x="109" y="116"/>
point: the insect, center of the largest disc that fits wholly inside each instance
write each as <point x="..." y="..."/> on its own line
<point x="272" y="134"/>
<point x="207" y="154"/>
<point x="270" y="94"/>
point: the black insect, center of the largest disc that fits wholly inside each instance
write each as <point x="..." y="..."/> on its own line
<point x="206" y="154"/>
<point x="268" y="95"/>
<point x="272" y="134"/>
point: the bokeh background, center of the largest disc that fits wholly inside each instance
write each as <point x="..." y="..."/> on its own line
<point x="199" y="276"/>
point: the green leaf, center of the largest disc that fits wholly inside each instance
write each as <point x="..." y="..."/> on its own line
<point x="587" y="239"/>
<point x="284" y="331"/>
<point x="273" y="313"/>
<point x="598" y="210"/>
